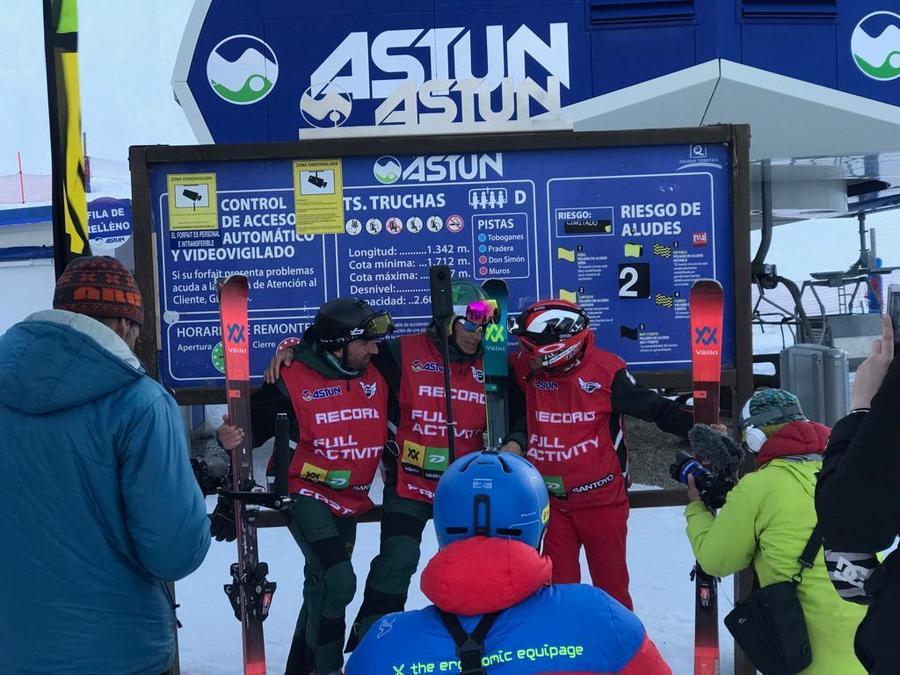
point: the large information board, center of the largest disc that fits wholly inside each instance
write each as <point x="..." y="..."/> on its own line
<point x="621" y="228"/>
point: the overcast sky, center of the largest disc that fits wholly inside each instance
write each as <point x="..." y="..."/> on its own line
<point x="127" y="51"/>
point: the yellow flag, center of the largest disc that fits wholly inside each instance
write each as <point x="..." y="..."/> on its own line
<point x="565" y="254"/>
<point x="633" y="250"/>
<point x="70" y="236"/>
<point x="567" y="295"/>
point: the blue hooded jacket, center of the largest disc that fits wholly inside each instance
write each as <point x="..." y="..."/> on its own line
<point x="571" y="628"/>
<point x="98" y="503"/>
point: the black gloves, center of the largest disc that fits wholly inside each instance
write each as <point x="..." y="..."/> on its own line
<point x="222" y="522"/>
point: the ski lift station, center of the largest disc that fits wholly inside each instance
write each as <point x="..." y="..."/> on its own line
<point x="817" y="81"/>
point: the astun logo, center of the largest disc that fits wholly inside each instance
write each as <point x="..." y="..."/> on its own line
<point x="387" y="170"/>
<point x="325" y="105"/>
<point x="242" y="69"/>
<point x="875" y="45"/>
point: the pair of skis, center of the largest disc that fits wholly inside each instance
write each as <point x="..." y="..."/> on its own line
<point x="706" y="303"/>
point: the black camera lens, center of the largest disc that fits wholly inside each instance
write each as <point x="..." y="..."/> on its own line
<point x="685" y="466"/>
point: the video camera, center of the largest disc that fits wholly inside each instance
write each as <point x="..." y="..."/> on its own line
<point x="714" y="461"/>
<point x="212" y="471"/>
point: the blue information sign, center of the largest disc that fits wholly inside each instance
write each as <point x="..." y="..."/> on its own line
<point x="109" y="223"/>
<point x="623" y="231"/>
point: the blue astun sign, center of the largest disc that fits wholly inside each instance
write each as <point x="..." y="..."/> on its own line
<point x="623" y="231"/>
<point x="270" y="70"/>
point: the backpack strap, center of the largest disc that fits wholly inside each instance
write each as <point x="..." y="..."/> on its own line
<point x="808" y="558"/>
<point x="469" y="647"/>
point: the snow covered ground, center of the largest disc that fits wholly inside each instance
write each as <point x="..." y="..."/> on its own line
<point x="139" y="108"/>
<point x="659" y="560"/>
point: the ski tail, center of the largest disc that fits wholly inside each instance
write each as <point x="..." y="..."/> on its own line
<point x="496" y="365"/>
<point x="706" y="305"/>
<point x="249" y="607"/>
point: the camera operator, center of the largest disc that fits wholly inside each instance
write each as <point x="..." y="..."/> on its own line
<point x="768" y="519"/>
<point x="858" y="502"/>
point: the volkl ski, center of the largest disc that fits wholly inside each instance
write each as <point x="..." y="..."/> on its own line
<point x="250" y="592"/>
<point x="706" y="303"/>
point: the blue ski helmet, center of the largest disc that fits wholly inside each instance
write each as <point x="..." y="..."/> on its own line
<point x="494" y="494"/>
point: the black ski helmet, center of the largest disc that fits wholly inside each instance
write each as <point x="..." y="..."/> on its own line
<point x="339" y="322"/>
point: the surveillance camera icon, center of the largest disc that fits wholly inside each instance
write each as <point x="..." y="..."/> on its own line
<point x="318" y="182"/>
<point x="192" y="195"/>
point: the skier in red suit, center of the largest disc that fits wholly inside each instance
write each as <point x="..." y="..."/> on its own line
<point x="568" y="403"/>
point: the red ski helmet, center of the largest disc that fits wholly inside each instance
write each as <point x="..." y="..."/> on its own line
<point x="553" y="331"/>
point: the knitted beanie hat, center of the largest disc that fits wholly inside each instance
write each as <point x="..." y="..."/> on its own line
<point x="769" y="408"/>
<point x="100" y="287"/>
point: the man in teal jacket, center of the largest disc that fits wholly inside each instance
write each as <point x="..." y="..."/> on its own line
<point x="99" y="506"/>
<point x="768" y="518"/>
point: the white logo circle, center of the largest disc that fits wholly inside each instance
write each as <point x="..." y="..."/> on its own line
<point x="875" y="46"/>
<point x="242" y="69"/>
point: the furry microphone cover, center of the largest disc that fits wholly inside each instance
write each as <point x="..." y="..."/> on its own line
<point x="714" y="450"/>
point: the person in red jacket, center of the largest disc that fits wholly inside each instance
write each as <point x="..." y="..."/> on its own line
<point x="567" y="406"/>
<point x="337" y="406"/>
<point x="418" y="454"/>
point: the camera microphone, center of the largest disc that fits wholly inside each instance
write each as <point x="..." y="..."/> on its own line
<point x="716" y="451"/>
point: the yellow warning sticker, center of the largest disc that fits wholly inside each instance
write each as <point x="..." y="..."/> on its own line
<point x="192" y="201"/>
<point x="319" y="196"/>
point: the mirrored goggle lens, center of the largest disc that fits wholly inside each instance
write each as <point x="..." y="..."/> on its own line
<point x="471" y="327"/>
<point x="481" y="312"/>
<point x="379" y="325"/>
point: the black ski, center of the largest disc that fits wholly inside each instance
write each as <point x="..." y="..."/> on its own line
<point x="496" y="364"/>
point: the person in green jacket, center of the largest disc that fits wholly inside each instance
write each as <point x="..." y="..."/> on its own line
<point x="768" y="518"/>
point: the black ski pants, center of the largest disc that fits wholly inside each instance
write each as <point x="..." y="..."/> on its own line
<point x="387" y="584"/>
<point x="328" y="586"/>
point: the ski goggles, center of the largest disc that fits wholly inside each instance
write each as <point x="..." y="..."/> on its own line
<point x="377" y="326"/>
<point x="479" y="313"/>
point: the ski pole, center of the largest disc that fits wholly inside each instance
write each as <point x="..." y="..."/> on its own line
<point x="442" y="312"/>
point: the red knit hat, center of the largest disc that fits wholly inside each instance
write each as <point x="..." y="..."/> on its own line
<point x="100" y="287"/>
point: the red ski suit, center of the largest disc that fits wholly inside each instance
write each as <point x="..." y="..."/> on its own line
<point x="571" y="425"/>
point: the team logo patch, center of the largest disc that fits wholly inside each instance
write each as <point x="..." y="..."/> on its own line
<point x="555" y="486"/>
<point x="313" y="473"/>
<point x="478" y="374"/>
<point x="413" y="454"/>
<point x="324" y="392"/>
<point x="338" y="479"/>
<point x="545" y="385"/>
<point x="369" y="388"/>
<point x="587" y="487"/>
<point x="436" y="459"/>
<point x="588" y="386"/>
<point x="427" y="367"/>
